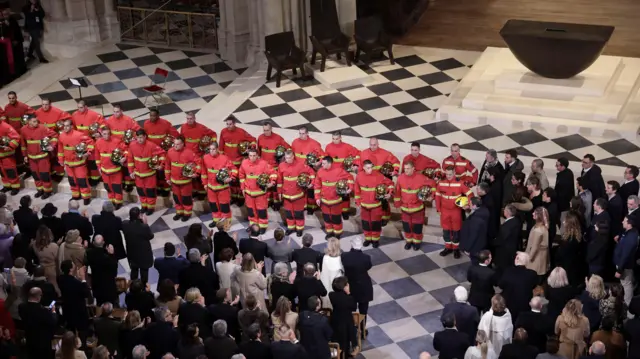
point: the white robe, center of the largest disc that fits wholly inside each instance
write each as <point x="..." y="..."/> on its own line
<point x="499" y="329"/>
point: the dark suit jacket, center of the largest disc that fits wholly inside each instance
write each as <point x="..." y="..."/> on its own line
<point x="570" y="256"/>
<point x="72" y="220"/>
<point x="307" y="287"/>
<point x="356" y="265"/>
<point x="229" y="314"/>
<point x="616" y="209"/>
<point x="482" y="279"/>
<point x="254" y="349"/>
<point x="220" y="348"/>
<point x="49" y="293"/>
<point x="538" y="327"/>
<point x="246" y="317"/>
<point x="27" y="221"/>
<point x="40" y="326"/>
<point x="161" y="338"/>
<point x="628" y="189"/>
<point x="315" y="334"/>
<point x="303" y="256"/>
<point x="518" y="350"/>
<point x="508" y="242"/>
<point x="287" y="350"/>
<point x="138" y="236"/>
<point x="258" y="249"/>
<point x="467" y="317"/>
<point x="74" y="294"/>
<point x="595" y="182"/>
<point x="107" y="330"/>
<point x="222" y="240"/>
<point x="558" y="298"/>
<point x="104" y="270"/>
<point x="507" y="187"/>
<point x="498" y="165"/>
<point x="170" y="268"/>
<point x="565" y="189"/>
<point x="201" y="277"/>
<point x="554" y="220"/>
<point x="517" y="285"/>
<point x="473" y="234"/>
<point x="55" y="225"/>
<point x="143" y="302"/>
<point x="109" y="226"/>
<point x="33" y="20"/>
<point x="190" y="313"/>
<point x="451" y="344"/>
<point x="632" y="335"/>
<point x="494" y="208"/>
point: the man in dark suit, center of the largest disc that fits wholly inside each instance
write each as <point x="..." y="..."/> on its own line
<point x="254" y="245"/>
<point x="508" y="241"/>
<point x="356" y="266"/>
<point x="199" y="276"/>
<point x="315" y="331"/>
<point x="39" y="325"/>
<point x="519" y="348"/>
<point x="34" y="24"/>
<point x="26" y="219"/>
<point x="616" y="208"/>
<point x="482" y="278"/>
<point x="473" y="234"/>
<point x="104" y="270"/>
<point x="549" y="201"/>
<point x="490" y="161"/>
<point x="633" y="203"/>
<point x="467" y="317"/>
<point x="488" y="202"/>
<point x="255" y="348"/>
<point x="138" y="236"/>
<point x="74" y="220"/>
<point x="109" y="226"/>
<point x="225" y="309"/>
<point x="74" y="293"/>
<point x="40" y="281"/>
<point x="592" y="174"/>
<point x="107" y="328"/>
<point x="565" y="184"/>
<point x="512" y="165"/>
<point x="220" y="345"/>
<point x="451" y="343"/>
<point x="630" y="186"/>
<point x="308" y="285"/>
<point x="170" y="266"/>
<point x="517" y="285"/>
<point x="306" y="254"/>
<point x="161" y="336"/>
<point x="287" y="347"/>
<point x="537" y="325"/>
<point x="597" y="350"/>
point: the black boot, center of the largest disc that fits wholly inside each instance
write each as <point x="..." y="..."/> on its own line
<point x="118" y="206"/>
<point x="329" y="235"/>
<point x="6" y="189"/>
<point x="375" y="244"/>
<point x="310" y="212"/>
<point x="46" y="195"/>
<point x="93" y="182"/>
<point x="367" y="243"/>
<point x="212" y="224"/>
<point x="87" y="201"/>
<point x="384" y="223"/>
<point x="185" y="217"/>
<point x="240" y="202"/>
<point x="289" y="232"/>
<point x="56" y="178"/>
<point x="407" y="246"/>
<point x="299" y="233"/>
<point x="416" y="246"/>
<point x="456" y="253"/>
<point x="345" y="216"/>
<point x="177" y="217"/>
<point x="38" y="194"/>
<point x="14" y="191"/>
<point x="276" y="206"/>
<point x="128" y="188"/>
<point x="150" y="211"/>
<point x="263" y="231"/>
<point x="445" y="252"/>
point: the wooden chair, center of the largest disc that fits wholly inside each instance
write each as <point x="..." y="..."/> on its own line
<point x="336" y="353"/>
<point x="358" y="319"/>
<point x="283" y="54"/>
<point x="326" y="36"/>
<point x="371" y="39"/>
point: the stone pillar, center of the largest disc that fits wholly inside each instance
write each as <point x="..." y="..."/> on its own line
<point x="234" y="32"/>
<point x="347" y="15"/>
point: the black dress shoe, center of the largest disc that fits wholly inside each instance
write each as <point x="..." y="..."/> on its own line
<point x="87" y="201"/>
<point x="345" y="216"/>
<point x="456" y="254"/>
<point x="384" y="223"/>
<point x="93" y="182"/>
<point x="240" y="203"/>
<point x="150" y="211"/>
<point x="128" y="188"/>
<point x="212" y="225"/>
<point x="310" y="212"/>
<point x="46" y="195"/>
<point x="185" y="218"/>
<point x="14" y="191"/>
<point x="38" y="194"/>
<point x="276" y="206"/>
<point x="263" y="230"/>
<point x="445" y="252"/>
<point x="407" y="246"/>
<point x="366" y="243"/>
<point x="416" y="246"/>
<point x="6" y="189"/>
<point x="329" y="235"/>
<point x="44" y="61"/>
<point x="177" y="217"/>
<point x="288" y="232"/>
<point x="299" y="233"/>
<point x="375" y="244"/>
<point x="56" y="178"/>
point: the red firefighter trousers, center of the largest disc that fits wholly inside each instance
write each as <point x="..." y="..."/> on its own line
<point x="113" y="184"/>
<point x="41" y="172"/>
<point x="294" y="213"/>
<point x="257" y="208"/>
<point x="9" y="171"/>
<point x="78" y="181"/>
<point x="182" y="198"/>
<point x="332" y="216"/>
<point x="412" y="223"/>
<point x="220" y="203"/>
<point x="146" y="187"/>
<point x="371" y="222"/>
<point x="451" y="222"/>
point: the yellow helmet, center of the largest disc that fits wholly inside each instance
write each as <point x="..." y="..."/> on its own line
<point x="462" y="201"/>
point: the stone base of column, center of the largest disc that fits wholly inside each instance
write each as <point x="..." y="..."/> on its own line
<point x="233" y="48"/>
<point x="67" y="39"/>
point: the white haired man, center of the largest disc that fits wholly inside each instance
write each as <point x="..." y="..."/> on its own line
<point x="467" y="317"/>
<point x="517" y="285"/>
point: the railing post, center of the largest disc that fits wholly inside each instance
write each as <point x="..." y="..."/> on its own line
<point x="190" y="30"/>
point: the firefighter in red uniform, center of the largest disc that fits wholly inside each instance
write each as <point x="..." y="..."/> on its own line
<point x="119" y="123"/>
<point x="339" y="151"/>
<point x="420" y="161"/>
<point x="293" y="196"/>
<point x="193" y="132"/>
<point x="218" y="194"/>
<point x="268" y="141"/>
<point x="75" y="163"/>
<point x="230" y="138"/>
<point x="38" y="159"/>
<point x="406" y="199"/>
<point x="14" y="111"/>
<point x="157" y="128"/>
<point x="256" y="197"/>
<point x="50" y="116"/>
<point x="8" y="167"/>
<point x="448" y="190"/>
<point x="379" y="156"/>
<point x="370" y="206"/>
<point x="82" y="119"/>
<point x="303" y="146"/>
<point x="327" y="198"/>
<point x="464" y="170"/>
<point x="141" y="151"/>
<point x="111" y="172"/>
<point x="177" y="158"/>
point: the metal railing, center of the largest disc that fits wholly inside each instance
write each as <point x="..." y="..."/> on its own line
<point x="171" y="28"/>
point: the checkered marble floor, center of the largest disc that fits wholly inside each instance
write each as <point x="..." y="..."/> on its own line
<point x="410" y="287"/>
<point x="399" y="104"/>
<point x="117" y="73"/>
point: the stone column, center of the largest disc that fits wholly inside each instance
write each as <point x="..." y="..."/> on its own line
<point x="347" y="15"/>
<point x="55" y="10"/>
<point x="234" y="32"/>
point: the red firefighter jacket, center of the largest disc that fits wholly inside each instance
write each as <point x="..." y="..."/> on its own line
<point x="67" y="143"/>
<point x="379" y="157"/>
<point x="406" y="193"/>
<point x="249" y="173"/>
<point x="211" y="165"/>
<point x="14" y="113"/>
<point x="341" y="151"/>
<point x="325" y="184"/>
<point x="175" y="161"/>
<point x="103" y="150"/>
<point x="82" y="120"/>
<point x="448" y="191"/>
<point x="463" y="168"/>
<point x="365" y="188"/>
<point x="193" y="134"/>
<point x="139" y="155"/>
<point x="50" y="118"/>
<point x="421" y="162"/>
<point x="229" y="141"/>
<point x="288" y="179"/>
<point x="8" y="130"/>
<point x="304" y="147"/>
<point x="157" y="131"/>
<point x="30" y="141"/>
<point x="119" y="125"/>
<point x="267" y="147"/>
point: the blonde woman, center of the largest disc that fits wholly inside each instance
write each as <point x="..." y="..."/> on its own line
<point x="497" y="324"/>
<point x="558" y="292"/>
<point x="331" y="267"/>
<point x="590" y="298"/>
<point x="570" y="253"/>
<point x="283" y="315"/>
<point x="572" y="329"/>
<point x="538" y="243"/>
<point x="130" y="332"/>
<point x="482" y="349"/>
<point x="250" y="280"/>
<point x="194" y="311"/>
<point x="46" y="249"/>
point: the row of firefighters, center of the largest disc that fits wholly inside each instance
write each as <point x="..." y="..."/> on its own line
<point x="233" y="168"/>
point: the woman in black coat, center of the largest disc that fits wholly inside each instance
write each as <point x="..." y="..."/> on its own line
<point x="50" y="220"/>
<point x="558" y="291"/>
<point x="570" y="253"/>
<point x="344" y="332"/>
<point x="109" y="226"/>
<point x="140" y="299"/>
<point x="195" y="239"/>
<point x="222" y="240"/>
<point x="131" y="334"/>
<point x="138" y="236"/>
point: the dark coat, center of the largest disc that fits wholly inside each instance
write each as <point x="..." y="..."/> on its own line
<point x="258" y="249"/>
<point x="517" y="285"/>
<point x="307" y="287"/>
<point x="55" y="225"/>
<point x="281" y="288"/>
<point x="342" y="319"/>
<point x="554" y="220"/>
<point x="222" y="240"/>
<point x="246" y="317"/>
<point x="72" y="220"/>
<point x="602" y="217"/>
<point x="315" y="334"/>
<point x="109" y="226"/>
<point x="467" y="317"/>
<point x="305" y="255"/>
<point x="170" y="268"/>
<point x="49" y="293"/>
<point x="498" y="166"/>
<point x="287" y="350"/>
<point x="507" y="186"/>
<point x="40" y="325"/>
<point x="104" y="270"/>
<point x="161" y="338"/>
<point x="107" y="330"/>
<point x="496" y="194"/>
<point x="507" y="242"/>
<point x="33" y="20"/>
<point x="482" y="279"/>
<point x="201" y="277"/>
<point x="220" y="348"/>
<point x="356" y="265"/>
<point x="204" y="245"/>
<point x="143" y="302"/>
<point x="255" y="349"/>
<point x="74" y="295"/>
<point x="451" y="344"/>
<point x="538" y="327"/>
<point x="570" y="256"/>
<point x="597" y="251"/>
<point x="591" y="310"/>
<point x="190" y="313"/>
<point x="565" y="189"/>
<point x="624" y="254"/>
<point x="494" y="208"/>
<point x="558" y="298"/>
<point x="616" y="209"/>
<point x="27" y="221"/>
<point x="128" y="339"/>
<point x="632" y="335"/>
<point x="229" y="314"/>
<point x="138" y="236"/>
<point x="595" y="182"/>
<point x="473" y="234"/>
<point x="626" y="190"/>
<point x="517" y="350"/>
